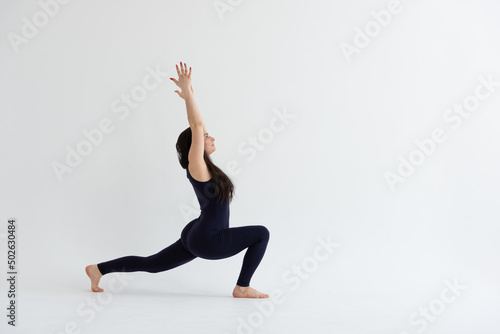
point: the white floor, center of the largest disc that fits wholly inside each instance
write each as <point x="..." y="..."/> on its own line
<point x="142" y="306"/>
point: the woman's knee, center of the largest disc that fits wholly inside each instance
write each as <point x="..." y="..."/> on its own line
<point x="264" y="232"/>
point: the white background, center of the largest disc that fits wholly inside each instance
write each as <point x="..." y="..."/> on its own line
<point x="322" y="175"/>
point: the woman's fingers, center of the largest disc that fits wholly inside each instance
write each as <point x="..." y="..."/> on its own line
<point x="183" y="70"/>
<point x="183" y="80"/>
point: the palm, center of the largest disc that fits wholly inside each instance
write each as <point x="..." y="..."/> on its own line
<point x="184" y="81"/>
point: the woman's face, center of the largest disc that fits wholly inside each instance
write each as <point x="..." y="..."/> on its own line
<point x="209" y="142"/>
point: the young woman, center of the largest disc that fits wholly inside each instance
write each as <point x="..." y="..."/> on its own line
<point x="208" y="236"/>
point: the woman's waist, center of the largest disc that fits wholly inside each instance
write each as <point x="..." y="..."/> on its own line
<point x="212" y="222"/>
<point x="212" y="213"/>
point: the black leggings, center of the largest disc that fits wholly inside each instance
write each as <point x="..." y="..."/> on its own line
<point x="198" y="241"/>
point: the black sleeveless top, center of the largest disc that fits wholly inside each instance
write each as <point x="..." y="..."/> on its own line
<point x="212" y="213"/>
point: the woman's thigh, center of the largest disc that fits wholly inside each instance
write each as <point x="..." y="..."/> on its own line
<point x="228" y="242"/>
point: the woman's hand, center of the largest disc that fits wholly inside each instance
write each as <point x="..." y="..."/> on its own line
<point x="184" y="81"/>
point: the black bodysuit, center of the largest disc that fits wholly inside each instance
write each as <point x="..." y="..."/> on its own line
<point x="208" y="237"/>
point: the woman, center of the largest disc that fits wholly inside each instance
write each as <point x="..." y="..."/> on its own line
<point x="208" y="236"/>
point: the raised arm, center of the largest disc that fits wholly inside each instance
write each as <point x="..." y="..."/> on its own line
<point x="199" y="168"/>
<point x="184" y="82"/>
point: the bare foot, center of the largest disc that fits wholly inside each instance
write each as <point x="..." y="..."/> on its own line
<point x="247" y="292"/>
<point x="95" y="275"/>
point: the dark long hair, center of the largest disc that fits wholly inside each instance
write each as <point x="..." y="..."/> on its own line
<point x="224" y="188"/>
